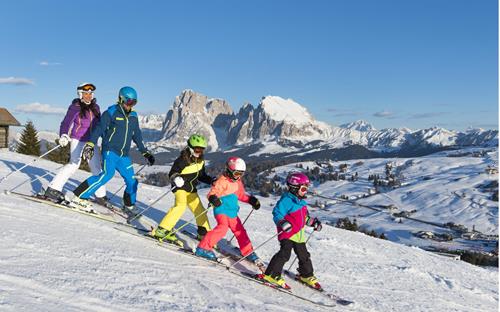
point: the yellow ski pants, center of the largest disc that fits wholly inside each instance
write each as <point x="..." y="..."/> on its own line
<point x="183" y="199"/>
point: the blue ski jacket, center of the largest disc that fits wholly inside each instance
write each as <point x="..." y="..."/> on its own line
<point x="117" y="129"/>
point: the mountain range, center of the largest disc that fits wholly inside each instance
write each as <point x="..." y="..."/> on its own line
<point x="280" y="122"/>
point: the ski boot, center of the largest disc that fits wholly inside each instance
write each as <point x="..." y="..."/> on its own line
<point x="310" y="281"/>
<point x="256" y="260"/>
<point x="132" y="211"/>
<point x="273" y="281"/>
<point x="81" y="204"/>
<point x="54" y="195"/>
<point x="165" y="235"/>
<point x="104" y="201"/>
<point x="207" y="254"/>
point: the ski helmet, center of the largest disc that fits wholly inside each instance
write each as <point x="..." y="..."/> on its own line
<point x="85" y="87"/>
<point x="235" y="167"/>
<point x="297" y="181"/>
<point x="128" y="96"/>
<point x="197" y="140"/>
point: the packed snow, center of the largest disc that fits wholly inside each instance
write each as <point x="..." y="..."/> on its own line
<point x="58" y="260"/>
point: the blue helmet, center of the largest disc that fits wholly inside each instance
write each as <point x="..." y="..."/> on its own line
<point x="127" y="95"/>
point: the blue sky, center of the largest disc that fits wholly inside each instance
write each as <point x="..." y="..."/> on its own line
<point x="393" y="63"/>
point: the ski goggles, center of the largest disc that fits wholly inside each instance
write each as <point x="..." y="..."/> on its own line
<point x="198" y="150"/>
<point x="237" y="173"/>
<point x="130" y="102"/>
<point x="304" y="188"/>
<point x="88" y="88"/>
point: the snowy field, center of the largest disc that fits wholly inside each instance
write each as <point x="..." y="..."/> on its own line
<point x="440" y="189"/>
<point x="57" y="260"/>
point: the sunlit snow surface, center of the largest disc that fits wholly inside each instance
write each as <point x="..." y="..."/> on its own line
<point x="55" y="260"/>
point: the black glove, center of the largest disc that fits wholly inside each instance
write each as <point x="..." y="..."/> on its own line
<point x="285" y="226"/>
<point x="88" y="151"/>
<point x="315" y="223"/>
<point x="254" y="202"/>
<point x="214" y="200"/>
<point x="149" y="157"/>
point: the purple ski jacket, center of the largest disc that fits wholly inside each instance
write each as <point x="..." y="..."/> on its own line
<point x="81" y="127"/>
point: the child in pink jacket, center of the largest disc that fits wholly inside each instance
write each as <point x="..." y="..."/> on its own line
<point x="224" y="195"/>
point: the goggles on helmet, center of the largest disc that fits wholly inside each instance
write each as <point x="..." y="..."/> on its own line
<point x="129" y="102"/>
<point x="88" y="87"/>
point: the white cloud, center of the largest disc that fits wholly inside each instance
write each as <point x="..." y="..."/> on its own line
<point x="46" y="63"/>
<point x="384" y="114"/>
<point x="38" y="108"/>
<point x="16" y="81"/>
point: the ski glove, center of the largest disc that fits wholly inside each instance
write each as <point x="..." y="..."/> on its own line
<point x="315" y="223"/>
<point x="214" y="200"/>
<point x="254" y="202"/>
<point x="149" y="157"/>
<point x="88" y="151"/>
<point x="178" y="181"/>
<point x="64" y="140"/>
<point x="285" y="226"/>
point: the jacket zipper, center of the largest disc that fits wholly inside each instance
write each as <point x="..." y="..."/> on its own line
<point x="114" y="129"/>
<point x="126" y="131"/>
<point x="197" y="173"/>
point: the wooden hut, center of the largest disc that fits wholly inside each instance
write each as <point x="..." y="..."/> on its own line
<point x="6" y="120"/>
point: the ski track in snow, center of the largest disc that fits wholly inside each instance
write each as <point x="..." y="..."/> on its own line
<point x="57" y="260"/>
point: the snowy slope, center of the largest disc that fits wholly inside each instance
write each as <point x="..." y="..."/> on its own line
<point x="54" y="260"/>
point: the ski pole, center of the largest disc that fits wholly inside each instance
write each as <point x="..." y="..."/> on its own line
<point x="150" y="205"/>
<point x="242" y="224"/>
<point x="254" y="250"/>
<point x="295" y="259"/>
<point x="29" y="163"/>
<point x="189" y="222"/>
<point x="123" y="185"/>
<point x="33" y="180"/>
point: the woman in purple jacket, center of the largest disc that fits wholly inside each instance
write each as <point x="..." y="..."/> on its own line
<point x="82" y="116"/>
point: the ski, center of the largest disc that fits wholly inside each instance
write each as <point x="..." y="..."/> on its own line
<point x="113" y="209"/>
<point x="92" y="213"/>
<point x="172" y="247"/>
<point x="253" y="277"/>
<point x="331" y="296"/>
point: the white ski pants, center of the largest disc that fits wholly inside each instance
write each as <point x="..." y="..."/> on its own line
<point x="69" y="169"/>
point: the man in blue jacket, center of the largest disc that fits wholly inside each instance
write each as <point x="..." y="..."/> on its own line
<point x="119" y="125"/>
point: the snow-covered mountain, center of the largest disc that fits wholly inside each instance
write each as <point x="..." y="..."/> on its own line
<point x="194" y="113"/>
<point x="278" y="121"/>
<point x="152" y="121"/>
<point x="359" y="125"/>
<point x="151" y="126"/>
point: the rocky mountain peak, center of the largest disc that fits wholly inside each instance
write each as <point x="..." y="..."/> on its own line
<point x="359" y="125"/>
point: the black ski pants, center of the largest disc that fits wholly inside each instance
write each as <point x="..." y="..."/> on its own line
<point x="275" y="267"/>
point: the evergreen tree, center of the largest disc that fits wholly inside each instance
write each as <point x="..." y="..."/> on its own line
<point x="29" y="143"/>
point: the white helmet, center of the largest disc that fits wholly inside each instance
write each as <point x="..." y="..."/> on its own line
<point x="85" y="87"/>
<point x="235" y="167"/>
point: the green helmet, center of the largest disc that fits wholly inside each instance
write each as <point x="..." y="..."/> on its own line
<point x="197" y="140"/>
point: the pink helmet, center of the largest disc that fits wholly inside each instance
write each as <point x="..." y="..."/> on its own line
<point x="296" y="179"/>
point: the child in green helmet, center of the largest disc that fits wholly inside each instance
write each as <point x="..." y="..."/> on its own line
<point x="187" y="170"/>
